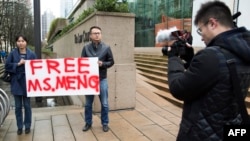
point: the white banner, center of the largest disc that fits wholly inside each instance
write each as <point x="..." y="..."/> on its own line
<point x="67" y="76"/>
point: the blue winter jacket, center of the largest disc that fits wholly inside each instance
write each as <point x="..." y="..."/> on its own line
<point x="18" y="81"/>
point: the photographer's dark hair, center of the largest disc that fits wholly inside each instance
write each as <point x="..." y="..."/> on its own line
<point x="93" y="28"/>
<point x="217" y="10"/>
<point x="21" y="35"/>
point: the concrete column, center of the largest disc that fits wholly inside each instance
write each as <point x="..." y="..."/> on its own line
<point x="118" y="32"/>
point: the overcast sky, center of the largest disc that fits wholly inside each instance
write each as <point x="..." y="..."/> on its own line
<point x="53" y="5"/>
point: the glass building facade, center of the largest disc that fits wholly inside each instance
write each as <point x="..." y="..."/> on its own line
<point x="153" y="15"/>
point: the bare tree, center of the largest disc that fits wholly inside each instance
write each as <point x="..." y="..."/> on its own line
<point x="15" y="18"/>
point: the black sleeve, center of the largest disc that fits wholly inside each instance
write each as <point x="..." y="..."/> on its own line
<point x="196" y="81"/>
<point x="109" y="61"/>
<point x="83" y="52"/>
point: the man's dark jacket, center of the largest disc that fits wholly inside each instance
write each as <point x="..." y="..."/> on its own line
<point x="104" y="54"/>
<point x="206" y="89"/>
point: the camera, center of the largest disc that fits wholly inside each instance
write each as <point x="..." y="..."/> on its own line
<point x="180" y="40"/>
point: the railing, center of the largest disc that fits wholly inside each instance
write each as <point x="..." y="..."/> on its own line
<point x="4" y="106"/>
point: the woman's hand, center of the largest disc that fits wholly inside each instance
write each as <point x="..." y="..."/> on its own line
<point x="21" y="62"/>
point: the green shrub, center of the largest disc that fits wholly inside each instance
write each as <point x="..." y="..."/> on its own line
<point x="53" y="27"/>
<point x="100" y="5"/>
<point x="84" y="14"/>
<point x="44" y="51"/>
<point x="111" y="6"/>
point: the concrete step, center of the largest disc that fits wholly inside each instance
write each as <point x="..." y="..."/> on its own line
<point x="162" y="79"/>
<point x="152" y="62"/>
<point x="152" y="71"/>
<point x="150" y="55"/>
<point x="158" y="85"/>
<point x="169" y="97"/>
<point x="155" y="58"/>
<point x="163" y="92"/>
<point x="152" y="67"/>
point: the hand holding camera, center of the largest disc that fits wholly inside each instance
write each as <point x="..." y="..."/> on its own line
<point x="180" y="43"/>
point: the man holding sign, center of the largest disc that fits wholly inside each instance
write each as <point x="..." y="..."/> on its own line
<point x="105" y="60"/>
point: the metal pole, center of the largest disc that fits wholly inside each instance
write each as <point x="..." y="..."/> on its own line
<point x="37" y="34"/>
<point x="37" y="28"/>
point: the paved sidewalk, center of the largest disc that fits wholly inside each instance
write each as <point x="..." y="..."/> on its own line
<point x="153" y="119"/>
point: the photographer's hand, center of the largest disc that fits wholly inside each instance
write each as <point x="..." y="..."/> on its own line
<point x="188" y="56"/>
<point x="169" y="50"/>
<point x="172" y="51"/>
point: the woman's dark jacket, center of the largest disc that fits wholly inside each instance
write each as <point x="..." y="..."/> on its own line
<point x="206" y="89"/>
<point x="104" y="54"/>
<point x="18" y="81"/>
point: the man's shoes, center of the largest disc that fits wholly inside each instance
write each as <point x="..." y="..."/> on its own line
<point x="86" y="127"/>
<point x="27" y="130"/>
<point x="19" y="131"/>
<point x="105" y="128"/>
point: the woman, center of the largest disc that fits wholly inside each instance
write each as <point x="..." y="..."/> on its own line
<point x="15" y="65"/>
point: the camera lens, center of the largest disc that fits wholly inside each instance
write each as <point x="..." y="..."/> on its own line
<point x="164" y="50"/>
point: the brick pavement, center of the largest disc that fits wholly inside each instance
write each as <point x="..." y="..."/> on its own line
<point x="153" y="119"/>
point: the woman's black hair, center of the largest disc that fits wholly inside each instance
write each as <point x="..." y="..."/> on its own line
<point x="21" y="35"/>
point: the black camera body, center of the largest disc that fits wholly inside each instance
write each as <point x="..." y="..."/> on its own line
<point x="181" y="38"/>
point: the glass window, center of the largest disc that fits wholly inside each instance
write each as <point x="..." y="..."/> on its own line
<point x="153" y="15"/>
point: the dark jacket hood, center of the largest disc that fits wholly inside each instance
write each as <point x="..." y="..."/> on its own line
<point x="237" y="41"/>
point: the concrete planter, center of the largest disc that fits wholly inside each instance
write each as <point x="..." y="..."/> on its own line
<point x="118" y="32"/>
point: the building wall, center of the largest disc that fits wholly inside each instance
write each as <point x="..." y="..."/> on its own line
<point x="47" y="19"/>
<point x="66" y="6"/>
<point x="234" y="5"/>
<point x="118" y="32"/>
<point x="243" y="20"/>
<point x="79" y="8"/>
<point x="149" y="15"/>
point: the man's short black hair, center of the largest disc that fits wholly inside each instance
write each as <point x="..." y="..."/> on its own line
<point x="214" y="9"/>
<point x="93" y="28"/>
